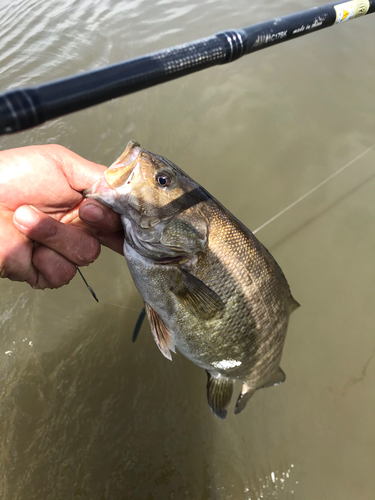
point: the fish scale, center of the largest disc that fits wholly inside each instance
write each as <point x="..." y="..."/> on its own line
<point x="210" y="288"/>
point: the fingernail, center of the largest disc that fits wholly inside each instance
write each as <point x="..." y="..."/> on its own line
<point x="91" y="213"/>
<point x="26" y="216"/>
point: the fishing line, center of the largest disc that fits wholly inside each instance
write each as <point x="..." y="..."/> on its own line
<point x="301" y="198"/>
<point x="123" y="307"/>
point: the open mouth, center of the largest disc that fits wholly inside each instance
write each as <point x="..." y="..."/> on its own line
<point x="96" y="189"/>
<point x="119" y="173"/>
<point x="130" y="178"/>
<point x="118" y="176"/>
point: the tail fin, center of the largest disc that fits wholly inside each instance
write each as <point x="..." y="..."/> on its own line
<point x="243" y="398"/>
<point x="278" y="377"/>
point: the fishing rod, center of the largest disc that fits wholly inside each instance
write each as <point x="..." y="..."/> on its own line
<point x="24" y="108"/>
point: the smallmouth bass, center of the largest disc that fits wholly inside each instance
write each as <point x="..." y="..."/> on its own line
<point x="210" y="288"/>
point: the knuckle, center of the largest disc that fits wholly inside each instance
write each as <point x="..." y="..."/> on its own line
<point x="90" y="251"/>
<point x="50" y="229"/>
<point x="4" y="264"/>
<point x="54" y="269"/>
<point x="39" y="257"/>
<point x="15" y="264"/>
<point x="3" y="272"/>
<point x="64" y="274"/>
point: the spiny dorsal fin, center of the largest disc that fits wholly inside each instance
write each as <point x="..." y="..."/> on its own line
<point x="162" y="336"/>
<point x="198" y="298"/>
<point x="219" y="394"/>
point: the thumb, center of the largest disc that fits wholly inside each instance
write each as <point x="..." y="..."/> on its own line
<point x="80" y="173"/>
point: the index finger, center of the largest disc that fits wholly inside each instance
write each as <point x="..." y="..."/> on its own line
<point x="76" y="244"/>
<point x="104" y="223"/>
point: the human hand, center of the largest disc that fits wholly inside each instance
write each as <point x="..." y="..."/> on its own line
<point x="42" y="243"/>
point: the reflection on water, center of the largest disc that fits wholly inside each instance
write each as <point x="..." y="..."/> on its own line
<point x="86" y="414"/>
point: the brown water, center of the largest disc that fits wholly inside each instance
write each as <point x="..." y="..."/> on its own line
<point x="87" y="415"/>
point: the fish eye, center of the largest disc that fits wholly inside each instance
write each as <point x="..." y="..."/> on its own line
<point x="163" y="180"/>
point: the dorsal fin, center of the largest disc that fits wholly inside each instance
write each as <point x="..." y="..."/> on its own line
<point x="162" y="336"/>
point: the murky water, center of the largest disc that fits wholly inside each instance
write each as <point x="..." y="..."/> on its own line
<point x="84" y="413"/>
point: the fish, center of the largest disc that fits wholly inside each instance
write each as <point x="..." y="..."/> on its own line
<point x="211" y="290"/>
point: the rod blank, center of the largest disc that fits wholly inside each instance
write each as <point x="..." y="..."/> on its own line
<point x="24" y="108"/>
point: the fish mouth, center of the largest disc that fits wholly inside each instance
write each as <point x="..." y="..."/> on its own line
<point x="118" y="176"/>
<point x="119" y="173"/>
<point x="96" y="190"/>
<point x="122" y="170"/>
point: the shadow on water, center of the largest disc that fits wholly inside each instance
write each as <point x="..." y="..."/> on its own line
<point x="94" y="420"/>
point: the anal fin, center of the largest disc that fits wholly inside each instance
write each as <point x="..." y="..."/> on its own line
<point x="219" y="394"/>
<point x="162" y="336"/>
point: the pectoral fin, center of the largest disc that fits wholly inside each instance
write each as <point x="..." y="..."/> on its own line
<point x="162" y="336"/>
<point x="197" y="297"/>
<point x="219" y="394"/>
